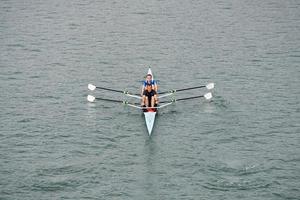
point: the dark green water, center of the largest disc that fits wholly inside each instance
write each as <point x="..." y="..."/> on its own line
<point x="245" y="144"/>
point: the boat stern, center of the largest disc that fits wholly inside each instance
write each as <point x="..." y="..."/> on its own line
<point x="149" y="118"/>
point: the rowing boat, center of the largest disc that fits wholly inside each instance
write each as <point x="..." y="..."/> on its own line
<point x="150" y="112"/>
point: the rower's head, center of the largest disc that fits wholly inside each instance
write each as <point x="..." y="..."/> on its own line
<point x="149" y="77"/>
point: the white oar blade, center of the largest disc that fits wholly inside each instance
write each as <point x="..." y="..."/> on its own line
<point x="91" y="87"/>
<point x="90" y="98"/>
<point x="210" y="86"/>
<point x="208" y="96"/>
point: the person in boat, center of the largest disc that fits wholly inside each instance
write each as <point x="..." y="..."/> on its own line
<point x="149" y="92"/>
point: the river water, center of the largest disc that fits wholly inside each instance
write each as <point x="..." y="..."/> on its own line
<point x="244" y="144"/>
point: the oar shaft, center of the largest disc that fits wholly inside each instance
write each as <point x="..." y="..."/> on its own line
<point x="187" y="98"/>
<point x="165" y="95"/>
<point x="182" y="99"/>
<point x="111" y="100"/>
<point x="133" y="95"/>
<point x="191" y="88"/>
<point x="140" y="107"/>
<point x="119" y="91"/>
<point x="109" y="89"/>
<point x="183" y="89"/>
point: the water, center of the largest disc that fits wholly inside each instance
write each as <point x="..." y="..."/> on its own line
<point x="242" y="145"/>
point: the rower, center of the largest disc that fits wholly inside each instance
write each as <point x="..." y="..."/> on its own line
<point x="149" y="90"/>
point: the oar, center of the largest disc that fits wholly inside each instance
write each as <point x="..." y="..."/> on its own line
<point x="208" y="86"/>
<point x="93" y="87"/>
<point x="207" y="96"/>
<point x="91" y="98"/>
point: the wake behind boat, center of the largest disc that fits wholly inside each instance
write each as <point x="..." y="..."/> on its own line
<point x="151" y="111"/>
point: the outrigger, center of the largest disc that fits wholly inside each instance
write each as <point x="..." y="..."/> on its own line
<point x="150" y="112"/>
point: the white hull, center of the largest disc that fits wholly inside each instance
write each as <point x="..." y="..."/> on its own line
<point x="149" y="118"/>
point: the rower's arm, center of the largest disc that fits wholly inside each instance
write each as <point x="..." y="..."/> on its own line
<point x="155" y="86"/>
<point x="142" y="90"/>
